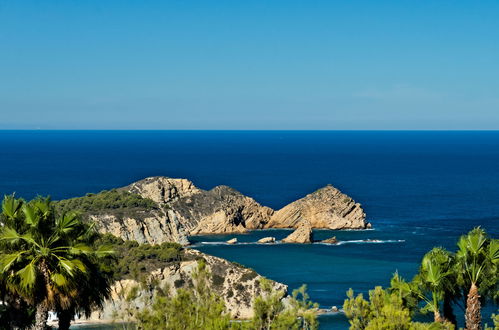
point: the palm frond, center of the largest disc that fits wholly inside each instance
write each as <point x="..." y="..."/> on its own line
<point x="27" y="275"/>
<point x="10" y="235"/>
<point x="11" y="206"/>
<point x="7" y="260"/>
<point x="30" y="215"/>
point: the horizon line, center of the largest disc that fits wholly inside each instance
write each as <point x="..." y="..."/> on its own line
<point x="242" y="130"/>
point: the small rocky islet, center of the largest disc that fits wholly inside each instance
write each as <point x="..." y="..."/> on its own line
<point x="163" y="209"/>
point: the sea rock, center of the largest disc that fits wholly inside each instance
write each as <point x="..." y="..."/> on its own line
<point x="232" y="241"/>
<point x="325" y="208"/>
<point x="302" y="234"/>
<point x="331" y="240"/>
<point x="266" y="240"/>
<point x="237" y="285"/>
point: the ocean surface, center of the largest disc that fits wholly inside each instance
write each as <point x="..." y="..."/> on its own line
<point x="419" y="189"/>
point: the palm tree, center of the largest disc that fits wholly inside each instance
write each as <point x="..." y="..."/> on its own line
<point x="93" y="290"/>
<point x="44" y="257"/>
<point x="477" y="268"/>
<point x="434" y="277"/>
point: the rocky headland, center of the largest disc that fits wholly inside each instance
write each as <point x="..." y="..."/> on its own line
<point x="181" y="209"/>
<point x="236" y="285"/>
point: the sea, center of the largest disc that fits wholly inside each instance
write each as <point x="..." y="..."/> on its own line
<point x="419" y="189"/>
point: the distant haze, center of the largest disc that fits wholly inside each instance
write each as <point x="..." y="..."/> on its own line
<point x="249" y="64"/>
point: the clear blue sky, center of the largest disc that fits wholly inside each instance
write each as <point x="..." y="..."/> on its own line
<point x="249" y="64"/>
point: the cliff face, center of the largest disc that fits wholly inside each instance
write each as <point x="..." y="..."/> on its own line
<point x="237" y="285"/>
<point x="219" y="210"/>
<point x="184" y="209"/>
<point x="153" y="227"/>
<point x="326" y="208"/>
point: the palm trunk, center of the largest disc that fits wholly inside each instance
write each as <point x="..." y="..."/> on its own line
<point x="436" y="312"/>
<point x="42" y="308"/>
<point x="65" y="318"/>
<point x="436" y="317"/>
<point x="473" y="309"/>
<point x="41" y="317"/>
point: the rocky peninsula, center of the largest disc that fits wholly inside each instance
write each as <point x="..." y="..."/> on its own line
<point x="180" y="209"/>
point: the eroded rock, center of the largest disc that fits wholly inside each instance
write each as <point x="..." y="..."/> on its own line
<point x="302" y="234"/>
<point x="331" y="240"/>
<point x="238" y="286"/>
<point x="326" y="208"/>
<point x="266" y="240"/>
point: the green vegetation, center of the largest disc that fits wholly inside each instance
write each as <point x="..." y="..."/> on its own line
<point x="195" y="308"/>
<point x="48" y="260"/>
<point x="198" y="307"/>
<point x="112" y="201"/>
<point x="271" y="313"/>
<point x="132" y="260"/>
<point x="467" y="278"/>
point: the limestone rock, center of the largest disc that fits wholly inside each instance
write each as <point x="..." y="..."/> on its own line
<point x="237" y="286"/>
<point x="232" y="241"/>
<point x="266" y="240"/>
<point x="302" y="234"/>
<point x="331" y="240"/>
<point x="325" y="208"/>
<point x="163" y="190"/>
<point x="183" y="209"/>
<point x="154" y="227"/>
<point x="219" y="210"/>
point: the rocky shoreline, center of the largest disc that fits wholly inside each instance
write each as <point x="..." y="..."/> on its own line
<point x="183" y="210"/>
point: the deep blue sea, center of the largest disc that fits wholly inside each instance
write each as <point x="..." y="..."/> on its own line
<point x="419" y="189"/>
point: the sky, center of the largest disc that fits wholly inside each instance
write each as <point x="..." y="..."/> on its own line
<point x="311" y="65"/>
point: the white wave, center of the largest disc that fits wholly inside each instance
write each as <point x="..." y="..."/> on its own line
<point x="227" y="244"/>
<point x="369" y="241"/>
<point x="357" y="241"/>
<point x="366" y="229"/>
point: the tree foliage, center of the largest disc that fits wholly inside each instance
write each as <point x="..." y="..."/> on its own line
<point x="106" y="200"/>
<point x="199" y="307"/>
<point x="48" y="260"/>
<point x="132" y="260"/>
<point x="444" y="278"/>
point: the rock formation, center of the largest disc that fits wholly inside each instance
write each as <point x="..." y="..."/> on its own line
<point x="237" y="285"/>
<point x="302" y="234"/>
<point x="266" y="240"/>
<point x="183" y="210"/>
<point x="326" y="208"/>
<point x="331" y="240"/>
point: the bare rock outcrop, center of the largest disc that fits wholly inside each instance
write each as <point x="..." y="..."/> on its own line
<point x="302" y="234"/>
<point x="182" y="209"/>
<point x="326" y="208"/>
<point x="237" y="285"/>
<point x="331" y="240"/>
<point x="153" y="227"/>
<point x="216" y="211"/>
<point x="266" y="240"/>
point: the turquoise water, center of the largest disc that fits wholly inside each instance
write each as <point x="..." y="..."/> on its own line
<point x="419" y="189"/>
